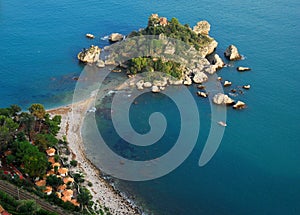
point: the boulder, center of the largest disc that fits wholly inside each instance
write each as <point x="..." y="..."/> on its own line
<point x="170" y="49"/>
<point x="139" y="85"/>
<point x="202" y="94"/>
<point x="227" y="83"/>
<point x="201" y="87"/>
<point x="239" y="105"/>
<point x="100" y="63"/>
<point x="110" y="62"/>
<point x="243" y="69"/>
<point x="155" y="89"/>
<point x="90" y="36"/>
<point x="222" y="99"/>
<point x="115" y="37"/>
<point x="232" y="53"/>
<point x="147" y="84"/>
<point x="200" y="77"/>
<point x="202" y="27"/>
<point x="90" y="55"/>
<point x="247" y="87"/>
<point x="187" y="81"/>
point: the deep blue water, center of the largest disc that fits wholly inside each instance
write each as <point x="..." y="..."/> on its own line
<point x="256" y="169"/>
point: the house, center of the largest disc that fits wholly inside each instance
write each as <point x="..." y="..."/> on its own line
<point x="58" y="195"/>
<point x="50" y="152"/>
<point x="51" y="160"/>
<point x="74" y="202"/>
<point x="63" y="172"/>
<point x="40" y="183"/>
<point x="3" y="211"/>
<point x="61" y="188"/>
<point x="48" y="190"/>
<point x="67" y="195"/>
<point x="50" y="172"/>
<point x="68" y="180"/>
<point x="163" y="21"/>
<point x="56" y="164"/>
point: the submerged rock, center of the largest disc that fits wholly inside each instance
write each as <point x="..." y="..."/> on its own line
<point x="222" y="99"/>
<point x="90" y="55"/>
<point x="100" y="63"/>
<point x="232" y="53"/>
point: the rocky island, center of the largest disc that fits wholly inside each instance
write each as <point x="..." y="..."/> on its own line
<point x="181" y="65"/>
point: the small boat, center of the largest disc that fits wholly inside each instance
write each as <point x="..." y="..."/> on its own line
<point x="222" y="123"/>
<point x="92" y="110"/>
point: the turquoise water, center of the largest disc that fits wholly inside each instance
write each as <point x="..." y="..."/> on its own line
<point x="256" y="169"/>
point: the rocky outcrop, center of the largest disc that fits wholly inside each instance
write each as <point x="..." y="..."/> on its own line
<point x="222" y="99"/>
<point x="100" y="63"/>
<point x="90" y="55"/>
<point x="243" y="69"/>
<point x="173" y="81"/>
<point x="215" y="61"/>
<point x="161" y="83"/>
<point x="187" y="81"/>
<point x="199" y="76"/>
<point x="232" y="53"/>
<point x="239" y="105"/>
<point x="227" y="83"/>
<point x="115" y="37"/>
<point x="202" y="27"/>
<point x="209" y="48"/>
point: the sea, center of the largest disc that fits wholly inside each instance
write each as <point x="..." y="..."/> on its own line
<point x="256" y="169"/>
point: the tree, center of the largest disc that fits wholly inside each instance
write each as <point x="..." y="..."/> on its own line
<point x="27" y="121"/>
<point x="84" y="196"/>
<point x="27" y="207"/>
<point x="8" y="129"/>
<point x="35" y="162"/>
<point x="54" y="181"/>
<point x="43" y="141"/>
<point x="38" y="111"/>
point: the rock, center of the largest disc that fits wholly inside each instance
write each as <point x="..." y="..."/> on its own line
<point x="90" y="36"/>
<point x="243" y="69"/>
<point x="139" y="85"/>
<point x="100" y="63"/>
<point x="233" y="90"/>
<point x="161" y="83"/>
<point x="110" y="62"/>
<point x="239" y="105"/>
<point x="170" y="49"/>
<point x="147" y="84"/>
<point x="232" y="53"/>
<point x="247" y="87"/>
<point x="222" y="99"/>
<point x="227" y="83"/>
<point x="115" y="37"/>
<point x="155" y="89"/>
<point x="199" y="77"/>
<point x="89" y="55"/>
<point x="187" y="81"/>
<point x="202" y="27"/>
<point x="174" y="81"/>
<point x="209" y="48"/>
<point x="162" y="88"/>
<point x="215" y="61"/>
<point x="202" y="94"/>
<point x="219" y="78"/>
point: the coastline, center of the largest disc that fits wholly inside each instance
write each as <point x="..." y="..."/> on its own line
<point x="103" y="193"/>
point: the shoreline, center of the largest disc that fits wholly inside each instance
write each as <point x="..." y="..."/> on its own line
<point x="103" y="193"/>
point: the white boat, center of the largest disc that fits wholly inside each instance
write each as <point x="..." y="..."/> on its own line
<point x="92" y="110"/>
<point x="222" y="123"/>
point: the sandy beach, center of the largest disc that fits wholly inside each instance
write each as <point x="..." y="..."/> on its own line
<point x="72" y="120"/>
